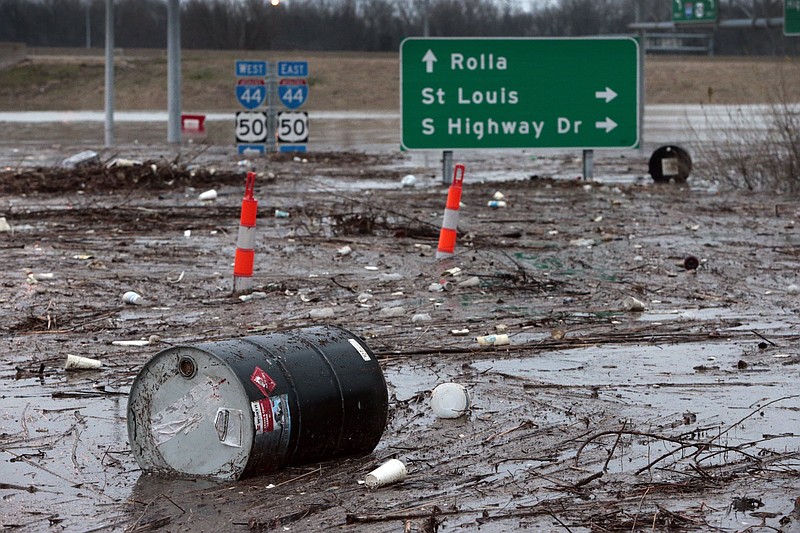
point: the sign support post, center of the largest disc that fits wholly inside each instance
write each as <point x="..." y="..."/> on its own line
<point x="272" y="116"/>
<point x="588" y="164"/>
<point x="447" y="166"/>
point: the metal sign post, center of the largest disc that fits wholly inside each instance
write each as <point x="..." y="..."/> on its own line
<point x="447" y="166"/>
<point x="174" y="71"/>
<point x="109" y="71"/>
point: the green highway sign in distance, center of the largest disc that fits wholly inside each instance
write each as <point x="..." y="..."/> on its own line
<point x="519" y="93"/>
<point x="791" y="17"/>
<point x="694" y="11"/>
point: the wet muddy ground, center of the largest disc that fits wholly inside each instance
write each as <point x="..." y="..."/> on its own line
<point x="684" y="416"/>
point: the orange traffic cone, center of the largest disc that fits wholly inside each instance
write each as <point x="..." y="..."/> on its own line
<point x="245" y="242"/>
<point x="447" y="236"/>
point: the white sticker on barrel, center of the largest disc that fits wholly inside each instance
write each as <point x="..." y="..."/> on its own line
<point x="228" y="424"/>
<point x="360" y="349"/>
<point x="184" y="414"/>
<point x="669" y="166"/>
<point x="262" y="415"/>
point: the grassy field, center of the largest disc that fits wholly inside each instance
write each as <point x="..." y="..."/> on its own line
<point x="73" y="79"/>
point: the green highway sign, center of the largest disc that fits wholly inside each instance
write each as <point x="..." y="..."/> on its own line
<point x="465" y="93"/>
<point x="694" y="11"/>
<point x="791" y="17"/>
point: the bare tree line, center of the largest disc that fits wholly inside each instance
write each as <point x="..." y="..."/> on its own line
<point x="361" y="25"/>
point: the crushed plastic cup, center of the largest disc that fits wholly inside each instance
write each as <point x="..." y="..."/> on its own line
<point x="255" y="295"/>
<point x="450" y="400"/>
<point x="76" y="362"/>
<point x="392" y="312"/>
<point x="392" y="471"/>
<point x="409" y="180"/>
<point x="325" y="312"/>
<point x="633" y="305"/>
<point x="455" y="272"/>
<point x="210" y="194"/>
<point x="492" y="340"/>
<point x="133" y="298"/>
<point x="472" y="281"/>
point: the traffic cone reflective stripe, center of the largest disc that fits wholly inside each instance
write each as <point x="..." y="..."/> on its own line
<point x="447" y="235"/>
<point x="245" y="242"/>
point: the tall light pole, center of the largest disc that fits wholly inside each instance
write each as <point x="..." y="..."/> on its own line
<point x="173" y="71"/>
<point x="109" y="103"/>
<point x="88" y="24"/>
<point x="425" y="25"/>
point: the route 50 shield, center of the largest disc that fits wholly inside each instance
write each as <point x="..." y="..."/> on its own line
<point x="251" y="127"/>
<point x="293" y="92"/>
<point x="293" y="127"/>
<point x="251" y="92"/>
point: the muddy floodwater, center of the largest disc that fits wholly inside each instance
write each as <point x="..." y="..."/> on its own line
<point x="649" y="382"/>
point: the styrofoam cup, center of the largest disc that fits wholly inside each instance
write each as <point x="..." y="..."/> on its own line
<point x="76" y="362"/>
<point x="493" y="340"/>
<point x="632" y="304"/>
<point x="210" y="194"/>
<point x="392" y="471"/>
<point x="450" y="400"/>
<point x="133" y="298"/>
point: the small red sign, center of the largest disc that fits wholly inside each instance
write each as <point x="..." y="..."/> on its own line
<point x="193" y="124"/>
<point x="262" y="380"/>
<point x="293" y="81"/>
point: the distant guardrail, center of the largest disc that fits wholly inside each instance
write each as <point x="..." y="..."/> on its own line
<point x="679" y="43"/>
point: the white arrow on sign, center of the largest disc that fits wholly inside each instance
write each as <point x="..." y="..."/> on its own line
<point x="606" y="124"/>
<point x="429" y="59"/>
<point x="608" y="94"/>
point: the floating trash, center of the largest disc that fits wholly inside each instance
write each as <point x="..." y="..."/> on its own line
<point x="392" y="471"/>
<point x="450" y="400"/>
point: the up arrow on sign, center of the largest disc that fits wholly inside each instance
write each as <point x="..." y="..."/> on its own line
<point x="429" y="59"/>
<point x="606" y="124"/>
<point x="608" y="94"/>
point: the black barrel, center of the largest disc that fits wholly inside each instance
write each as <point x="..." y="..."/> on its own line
<point x="670" y="163"/>
<point x="253" y="405"/>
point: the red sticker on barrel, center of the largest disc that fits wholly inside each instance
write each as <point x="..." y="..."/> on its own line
<point x="262" y="380"/>
<point x="262" y="416"/>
